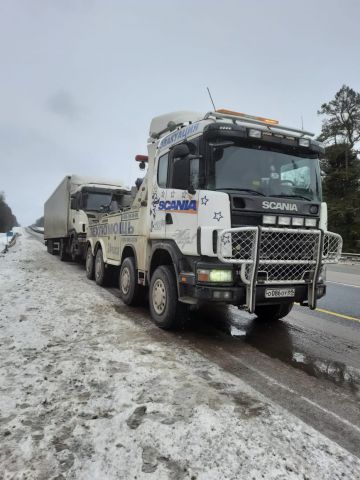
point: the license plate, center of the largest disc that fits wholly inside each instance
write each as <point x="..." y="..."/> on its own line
<point x="279" y="292"/>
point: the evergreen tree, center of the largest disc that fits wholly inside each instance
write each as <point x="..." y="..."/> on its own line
<point x="7" y="219"/>
<point x="341" y="133"/>
<point x="341" y="192"/>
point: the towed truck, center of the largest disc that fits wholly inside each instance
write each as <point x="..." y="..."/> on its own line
<point x="76" y="203"/>
<point x="230" y="211"/>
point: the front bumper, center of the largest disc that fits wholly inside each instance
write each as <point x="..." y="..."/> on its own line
<point x="236" y="295"/>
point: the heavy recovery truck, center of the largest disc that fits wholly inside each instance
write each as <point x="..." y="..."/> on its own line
<point x="230" y="211"/>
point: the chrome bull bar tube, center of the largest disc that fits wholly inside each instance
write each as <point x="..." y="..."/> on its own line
<point x="281" y="256"/>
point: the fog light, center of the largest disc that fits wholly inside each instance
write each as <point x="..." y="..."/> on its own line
<point x="254" y="133"/>
<point x="221" y="276"/>
<point x="310" y="222"/>
<point x="298" y="221"/>
<point x="222" y="295"/>
<point x="304" y="142"/>
<point x="284" y="221"/>
<point x="269" y="219"/>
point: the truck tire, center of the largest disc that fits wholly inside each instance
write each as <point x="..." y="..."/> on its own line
<point x="50" y="247"/>
<point x="62" y="252"/>
<point x="101" y="274"/>
<point x="131" y="292"/>
<point x="73" y="255"/>
<point x="273" y="312"/>
<point x="90" y="264"/>
<point x="166" y="310"/>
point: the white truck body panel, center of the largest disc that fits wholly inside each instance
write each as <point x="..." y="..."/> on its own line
<point x="56" y="211"/>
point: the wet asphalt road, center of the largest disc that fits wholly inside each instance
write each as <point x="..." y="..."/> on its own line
<point x="309" y="362"/>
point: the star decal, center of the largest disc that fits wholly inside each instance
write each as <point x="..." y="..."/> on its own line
<point x="217" y="216"/>
<point x="172" y="194"/>
<point x="226" y="239"/>
<point x="183" y="195"/>
<point x="204" y="200"/>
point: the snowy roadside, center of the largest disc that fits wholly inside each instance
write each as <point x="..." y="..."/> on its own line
<point x="87" y="393"/>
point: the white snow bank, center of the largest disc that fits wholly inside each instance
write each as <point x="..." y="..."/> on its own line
<point x="90" y="390"/>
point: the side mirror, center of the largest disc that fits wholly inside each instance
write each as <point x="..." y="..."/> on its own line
<point x="181" y="151"/>
<point x="74" y="203"/>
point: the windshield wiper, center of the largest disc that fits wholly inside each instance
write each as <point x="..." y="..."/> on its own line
<point x="247" y="190"/>
<point x="283" y="195"/>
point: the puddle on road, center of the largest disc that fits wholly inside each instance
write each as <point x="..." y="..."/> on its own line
<point x="282" y="341"/>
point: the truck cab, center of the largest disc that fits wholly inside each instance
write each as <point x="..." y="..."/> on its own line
<point x="232" y="212"/>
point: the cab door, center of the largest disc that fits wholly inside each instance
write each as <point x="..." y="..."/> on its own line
<point x="181" y="205"/>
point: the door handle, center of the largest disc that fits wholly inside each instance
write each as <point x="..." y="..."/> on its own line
<point x="168" y="219"/>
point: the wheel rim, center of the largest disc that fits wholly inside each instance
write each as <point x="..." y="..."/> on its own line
<point x="159" y="296"/>
<point x="125" y="280"/>
<point x="98" y="266"/>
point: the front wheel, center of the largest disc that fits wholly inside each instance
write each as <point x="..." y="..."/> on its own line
<point x="73" y="250"/>
<point x="63" y="250"/>
<point x="90" y="264"/>
<point x="166" y="311"/>
<point x="273" y="312"/>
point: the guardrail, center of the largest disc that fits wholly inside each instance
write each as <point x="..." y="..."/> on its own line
<point x="11" y="243"/>
<point x="352" y="257"/>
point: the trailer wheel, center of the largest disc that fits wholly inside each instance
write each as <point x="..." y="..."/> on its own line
<point x="90" y="264"/>
<point x="130" y="290"/>
<point x="101" y="274"/>
<point x="63" y="252"/>
<point x="273" y="312"/>
<point x="50" y="247"/>
<point x="166" y="311"/>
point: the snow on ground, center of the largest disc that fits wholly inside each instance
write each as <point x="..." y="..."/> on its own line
<point x="89" y="391"/>
<point x="3" y="241"/>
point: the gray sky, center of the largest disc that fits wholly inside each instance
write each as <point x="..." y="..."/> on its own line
<point x="81" y="80"/>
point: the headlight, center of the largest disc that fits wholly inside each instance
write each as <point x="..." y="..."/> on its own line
<point x="284" y="221"/>
<point x="298" y="221"/>
<point x="310" y="222"/>
<point x="215" y="275"/>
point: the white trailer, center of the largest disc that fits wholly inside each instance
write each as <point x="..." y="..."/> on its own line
<point x="229" y="211"/>
<point x="77" y="202"/>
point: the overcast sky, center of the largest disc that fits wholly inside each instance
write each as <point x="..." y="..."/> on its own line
<point x="81" y="80"/>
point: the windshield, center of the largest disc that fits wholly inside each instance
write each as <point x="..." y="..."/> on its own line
<point x="264" y="170"/>
<point x="94" y="201"/>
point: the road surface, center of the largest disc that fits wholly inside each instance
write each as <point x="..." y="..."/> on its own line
<point x="307" y="364"/>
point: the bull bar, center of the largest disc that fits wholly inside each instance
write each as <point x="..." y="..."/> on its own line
<point x="278" y="256"/>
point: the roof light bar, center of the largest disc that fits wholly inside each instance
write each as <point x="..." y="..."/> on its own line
<point x="250" y="117"/>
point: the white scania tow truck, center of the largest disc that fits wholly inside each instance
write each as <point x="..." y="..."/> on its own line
<point x="230" y="210"/>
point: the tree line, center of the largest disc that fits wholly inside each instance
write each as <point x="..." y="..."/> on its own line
<point x="340" y="166"/>
<point x="7" y="218"/>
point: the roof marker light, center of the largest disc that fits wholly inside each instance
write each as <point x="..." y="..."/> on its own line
<point x="254" y="133"/>
<point x="304" y="142"/>
<point x="245" y="116"/>
<point x="141" y="158"/>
